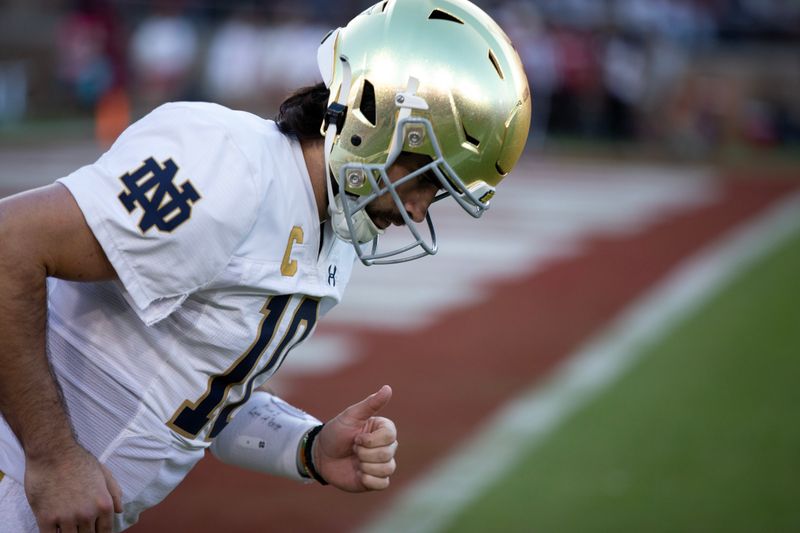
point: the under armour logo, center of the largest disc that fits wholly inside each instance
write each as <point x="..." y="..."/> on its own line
<point x="151" y="187"/>
<point x="332" y="275"/>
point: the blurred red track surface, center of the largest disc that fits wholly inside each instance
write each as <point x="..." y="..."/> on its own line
<point x="454" y="373"/>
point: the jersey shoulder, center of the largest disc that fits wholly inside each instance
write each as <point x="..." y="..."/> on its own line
<point x="269" y="153"/>
<point x="172" y="200"/>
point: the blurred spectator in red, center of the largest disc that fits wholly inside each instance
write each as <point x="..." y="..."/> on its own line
<point x="90" y="52"/>
<point x="628" y="69"/>
<point x="578" y="101"/>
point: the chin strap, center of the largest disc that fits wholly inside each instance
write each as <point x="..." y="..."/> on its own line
<point x="361" y="228"/>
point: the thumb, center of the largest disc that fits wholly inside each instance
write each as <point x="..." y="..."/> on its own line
<point x="369" y="406"/>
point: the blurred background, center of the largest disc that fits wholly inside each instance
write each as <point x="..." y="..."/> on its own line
<point x="688" y="77"/>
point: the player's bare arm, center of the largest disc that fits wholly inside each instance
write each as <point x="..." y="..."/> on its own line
<point x="43" y="233"/>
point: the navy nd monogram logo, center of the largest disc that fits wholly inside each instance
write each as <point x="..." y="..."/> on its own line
<point x="152" y="188"/>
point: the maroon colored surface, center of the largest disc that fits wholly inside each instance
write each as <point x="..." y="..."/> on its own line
<point x="451" y="375"/>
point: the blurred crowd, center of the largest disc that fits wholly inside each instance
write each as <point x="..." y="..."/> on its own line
<point x="696" y="74"/>
<point x="693" y="74"/>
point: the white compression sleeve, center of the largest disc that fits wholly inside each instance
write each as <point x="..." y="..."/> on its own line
<point x="264" y="436"/>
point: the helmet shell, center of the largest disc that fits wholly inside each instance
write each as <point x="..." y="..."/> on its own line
<point x="470" y="76"/>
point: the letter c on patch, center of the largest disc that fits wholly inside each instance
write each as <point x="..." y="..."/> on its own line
<point x="289" y="265"/>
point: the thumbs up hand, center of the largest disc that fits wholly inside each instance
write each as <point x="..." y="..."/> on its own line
<point x="355" y="450"/>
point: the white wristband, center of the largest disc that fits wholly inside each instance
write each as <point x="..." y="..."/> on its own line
<point x="264" y="436"/>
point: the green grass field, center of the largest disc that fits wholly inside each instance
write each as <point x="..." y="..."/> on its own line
<point x="703" y="434"/>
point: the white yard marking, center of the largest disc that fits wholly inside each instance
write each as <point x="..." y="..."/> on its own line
<point x="543" y="212"/>
<point x="430" y="503"/>
<point x="26" y="167"/>
<point x="328" y="353"/>
<point x="535" y="220"/>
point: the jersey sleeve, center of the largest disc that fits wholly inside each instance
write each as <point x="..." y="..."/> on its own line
<point x="169" y="203"/>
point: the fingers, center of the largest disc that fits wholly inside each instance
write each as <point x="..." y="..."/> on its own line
<point x="379" y="469"/>
<point x="85" y="524"/>
<point x="374" y="483"/>
<point x="104" y="522"/>
<point x="376" y="453"/>
<point x="380" y="432"/>
<point x="383" y="454"/>
<point x="46" y="526"/>
<point x="97" y="520"/>
<point x="376" y="475"/>
<point x="368" y="407"/>
<point x="113" y="489"/>
<point x="78" y="495"/>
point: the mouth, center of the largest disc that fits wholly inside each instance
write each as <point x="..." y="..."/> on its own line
<point x="381" y="222"/>
<point x="384" y="221"/>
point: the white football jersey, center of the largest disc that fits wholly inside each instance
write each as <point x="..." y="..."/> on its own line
<point x="209" y="219"/>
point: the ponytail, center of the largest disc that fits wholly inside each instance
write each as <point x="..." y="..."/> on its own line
<point x="301" y="114"/>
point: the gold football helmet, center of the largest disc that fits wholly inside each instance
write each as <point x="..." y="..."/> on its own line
<point x="432" y="77"/>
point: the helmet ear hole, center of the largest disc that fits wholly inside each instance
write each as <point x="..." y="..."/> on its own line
<point x="367" y="104"/>
<point x="470" y="139"/>
<point x="496" y="65"/>
<point x="438" y="14"/>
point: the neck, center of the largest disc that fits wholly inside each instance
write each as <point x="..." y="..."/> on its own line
<point x="315" y="163"/>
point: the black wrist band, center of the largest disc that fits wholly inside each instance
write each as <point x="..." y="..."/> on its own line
<point x="308" y="456"/>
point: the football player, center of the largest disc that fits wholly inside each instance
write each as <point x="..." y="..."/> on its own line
<point x="171" y="278"/>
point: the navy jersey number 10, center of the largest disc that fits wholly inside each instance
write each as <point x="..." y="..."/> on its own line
<point x="192" y="416"/>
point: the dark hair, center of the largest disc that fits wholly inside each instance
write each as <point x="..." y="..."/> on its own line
<point x="301" y="114"/>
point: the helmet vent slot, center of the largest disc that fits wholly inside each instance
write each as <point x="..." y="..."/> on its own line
<point x="367" y="104"/>
<point x="438" y="14"/>
<point x="470" y="139"/>
<point x="499" y="169"/>
<point x="383" y="6"/>
<point x="496" y="65"/>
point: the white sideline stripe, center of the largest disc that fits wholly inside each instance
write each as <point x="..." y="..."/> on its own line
<point x="429" y="504"/>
